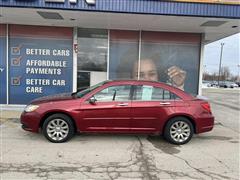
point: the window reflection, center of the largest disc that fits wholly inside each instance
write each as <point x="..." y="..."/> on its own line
<point x="92" y="50"/>
<point x="92" y="56"/>
<point x="124" y="52"/>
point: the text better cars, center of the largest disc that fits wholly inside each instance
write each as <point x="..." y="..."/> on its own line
<point x="122" y="106"/>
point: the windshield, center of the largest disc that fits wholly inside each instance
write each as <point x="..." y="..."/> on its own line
<point x="86" y="91"/>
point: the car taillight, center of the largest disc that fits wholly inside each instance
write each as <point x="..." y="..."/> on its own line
<point x="206" y="106"/>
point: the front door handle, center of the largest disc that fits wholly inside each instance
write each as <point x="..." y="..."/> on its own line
<point x="123" y="104"/>
<point x="165" y="103"/>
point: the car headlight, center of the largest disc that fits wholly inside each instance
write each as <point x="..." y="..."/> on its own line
<point x="30" y="108"/>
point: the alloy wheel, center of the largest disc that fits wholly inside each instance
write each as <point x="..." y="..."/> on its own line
<point x="180" y="131"/>
<point x="57" y="129"/>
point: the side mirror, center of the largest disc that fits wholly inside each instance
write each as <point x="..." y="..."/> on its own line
<point x="92" y="100"/>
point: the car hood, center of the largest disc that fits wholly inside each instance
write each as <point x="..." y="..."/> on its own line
<point x="56" y="97"/>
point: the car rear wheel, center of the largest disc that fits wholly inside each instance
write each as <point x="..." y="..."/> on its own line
<point x="179" y="130"/>
<point x="58" y="128"/>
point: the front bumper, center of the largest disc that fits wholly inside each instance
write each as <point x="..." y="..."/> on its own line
<point x="30" y="121"/>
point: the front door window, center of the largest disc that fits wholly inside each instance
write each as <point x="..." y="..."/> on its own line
<point x="114" y="93"/>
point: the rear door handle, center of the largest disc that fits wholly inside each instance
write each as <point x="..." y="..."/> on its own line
<point x="123" y="104"/>
<point x="165" y="103"/>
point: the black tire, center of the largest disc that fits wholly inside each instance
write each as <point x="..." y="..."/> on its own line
<point x="68" y="128"/>
<point x="169" y="131"/>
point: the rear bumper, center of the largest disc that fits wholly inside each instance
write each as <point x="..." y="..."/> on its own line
<point x="30" y="121"/>
<point x="205" y="124"/>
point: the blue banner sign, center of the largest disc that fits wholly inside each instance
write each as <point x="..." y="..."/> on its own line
<point x="39" y="67"/>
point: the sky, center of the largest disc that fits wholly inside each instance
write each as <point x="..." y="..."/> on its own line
<point x="230" y="56"/>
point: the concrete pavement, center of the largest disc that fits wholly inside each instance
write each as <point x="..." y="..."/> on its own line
<point x="225" y="105"/>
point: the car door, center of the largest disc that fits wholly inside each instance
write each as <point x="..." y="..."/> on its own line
<point x="150" y="107"/>
<point x="111" y="110"/>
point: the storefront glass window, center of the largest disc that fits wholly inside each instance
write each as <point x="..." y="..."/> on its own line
<point x="124" y="52"/>
<point x="172" y="58"/>
<point x="92" y="56"/>
<point x="168" y="57"/>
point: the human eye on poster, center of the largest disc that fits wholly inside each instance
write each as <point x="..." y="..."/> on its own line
<point x="172" y="58"/>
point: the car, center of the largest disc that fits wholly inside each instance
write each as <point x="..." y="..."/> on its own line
<point x="224" y="85"/>
<point x="238" y="83"/>
<point x="206" y="84"/>
<point x="214" y="84"/>
<point x="233" y="85"/>
<point x="120" y="106"/>
<point x="228" y="84"/>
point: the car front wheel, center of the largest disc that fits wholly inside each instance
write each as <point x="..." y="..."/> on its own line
<point x="58" y="128"/>
<point x="179" y="130"/>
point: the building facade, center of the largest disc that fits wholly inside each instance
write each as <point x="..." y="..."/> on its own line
<point x="56" y="46"/>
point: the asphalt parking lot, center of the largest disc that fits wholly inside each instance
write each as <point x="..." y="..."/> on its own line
<point x="213" y="155"/>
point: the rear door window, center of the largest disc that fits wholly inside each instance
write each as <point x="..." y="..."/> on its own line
<point x="151" y="93"/>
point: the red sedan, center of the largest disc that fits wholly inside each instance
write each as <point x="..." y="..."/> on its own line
<point x="122" y="106"/>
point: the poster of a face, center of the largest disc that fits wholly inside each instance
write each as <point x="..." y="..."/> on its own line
<point x="172" y="58"/>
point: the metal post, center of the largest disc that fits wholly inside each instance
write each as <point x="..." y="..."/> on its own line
<point x="108" y="54"/>
<point x="139" y="53"/>
<point x="200" y="72"/>
<point x="220" y="64"/>
<point x="75" y="65"/>
<point x="7" y="63"/>
<point x="204" y="72"/>
<point x="238" y="77"/>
